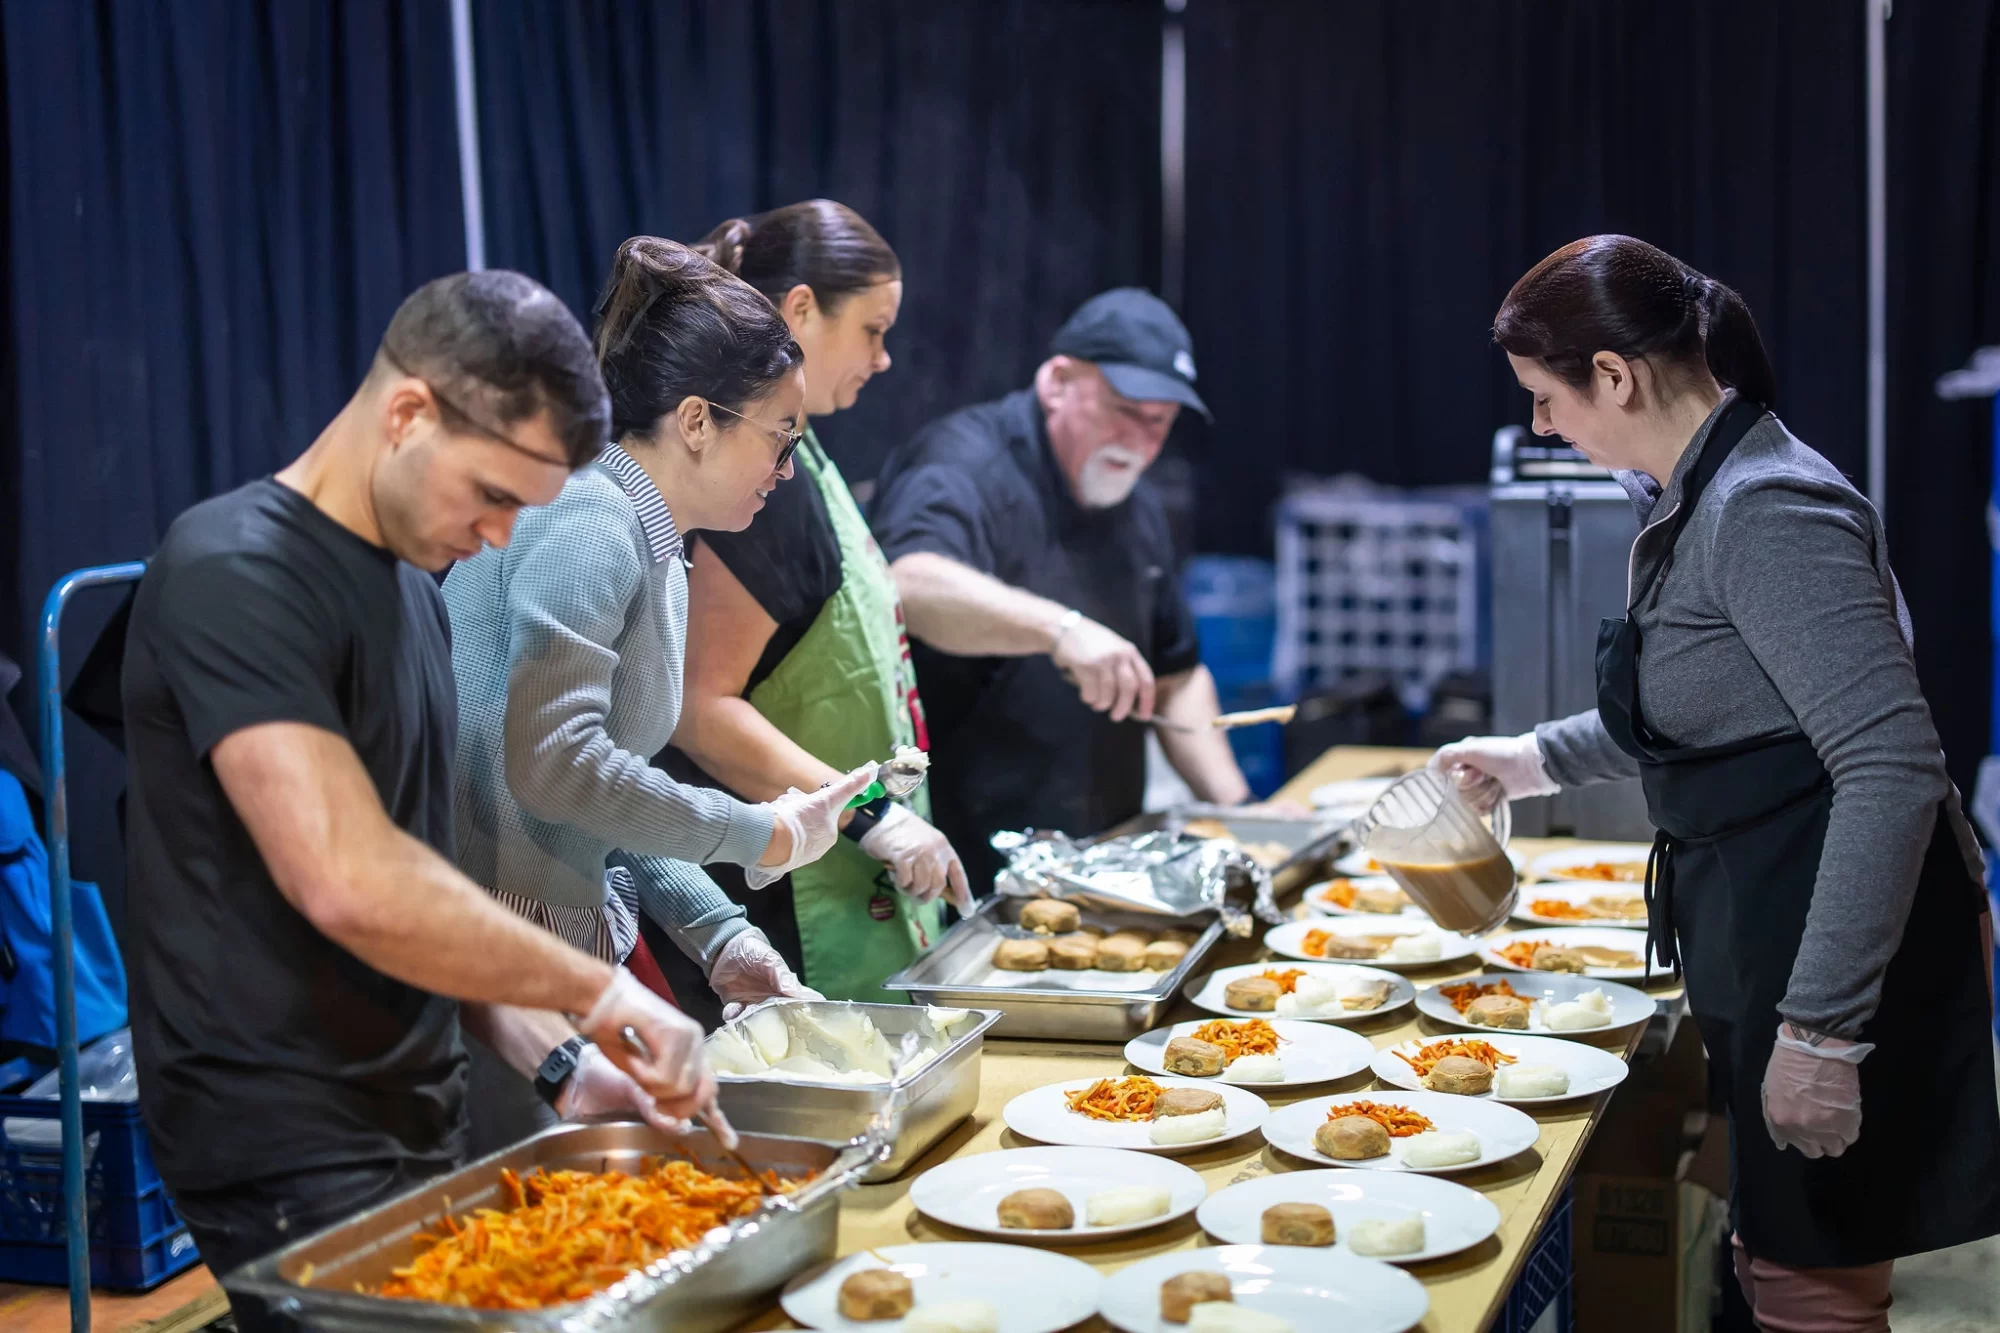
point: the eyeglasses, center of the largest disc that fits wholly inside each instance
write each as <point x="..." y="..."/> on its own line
<point x="456" y="416"/>
<point x="790" y="437"/>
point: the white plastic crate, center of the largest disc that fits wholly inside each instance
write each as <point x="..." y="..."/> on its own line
<point x="1374" y="579"/>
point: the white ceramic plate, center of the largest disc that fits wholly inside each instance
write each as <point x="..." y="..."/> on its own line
<point x="1570" y="937"/>
<point x="1540" y="990"/>
<point x="966" y="1192"/>
<point x="1502" y="1130"/>
<point x="1359" y="862"/>
<point x="1580" y="895"/>
<point x="1567" y="863"/>
<point x="1035" y="1291"/>
<point x="1208" y="993"/>
<point x="1289" y="939"/>
<point x="1311" y="1052"/>
<point x="1314" y="1290"/>
<point x="1318" y="903"/>
<point x="1591" y="1070"/>
<point x="1042" y="1114"/>
<point x="1455" y="1218"/>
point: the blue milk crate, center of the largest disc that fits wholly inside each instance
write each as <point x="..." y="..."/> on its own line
<point x="1545" y="1277"/>
<point x="137" y="1239"/>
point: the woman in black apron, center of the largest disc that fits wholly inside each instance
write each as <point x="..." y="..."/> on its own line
<point x="1813" y="876"/>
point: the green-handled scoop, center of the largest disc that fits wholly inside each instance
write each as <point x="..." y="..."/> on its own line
<point x="899" y="776"/>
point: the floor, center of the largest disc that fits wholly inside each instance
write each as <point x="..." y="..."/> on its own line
<point x="191" y="1301"/>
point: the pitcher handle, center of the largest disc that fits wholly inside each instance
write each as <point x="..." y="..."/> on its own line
<point x="1502" y="820"/>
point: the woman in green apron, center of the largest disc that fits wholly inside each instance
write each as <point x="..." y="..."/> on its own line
<point x="797" y="665"/>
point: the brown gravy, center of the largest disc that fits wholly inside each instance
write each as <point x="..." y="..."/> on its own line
<point x="1465" y="896"/>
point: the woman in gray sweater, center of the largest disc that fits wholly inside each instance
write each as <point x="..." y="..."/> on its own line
<point x="1813" y="873"/>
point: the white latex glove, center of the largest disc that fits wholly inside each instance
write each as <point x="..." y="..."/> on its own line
<point x="813" y="820"/>
<point x="1110" y="673"/>
<point x="747" y="971"/>
<point x="672" y="1067"/>
<point x="1812" y="1093"/>
<point x="920" y="859"/>
<point x="598" y="1089"/>
<point x="1488" y="769"/>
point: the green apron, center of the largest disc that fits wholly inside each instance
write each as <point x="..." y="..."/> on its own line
<point x="847" y="694"/>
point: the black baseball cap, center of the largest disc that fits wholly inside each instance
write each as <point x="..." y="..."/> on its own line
<point x="1138" y="342"/>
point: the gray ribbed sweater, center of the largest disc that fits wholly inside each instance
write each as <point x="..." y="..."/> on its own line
<point x="1780" y="614"/>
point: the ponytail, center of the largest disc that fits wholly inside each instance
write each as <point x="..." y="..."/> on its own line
<point x="820" y="244"/>
<point x="1618" y="294"/>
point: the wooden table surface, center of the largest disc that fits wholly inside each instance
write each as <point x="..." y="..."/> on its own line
<point x="1466" y="1289"/>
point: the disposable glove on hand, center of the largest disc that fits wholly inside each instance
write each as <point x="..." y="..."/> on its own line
<point x="1812" y="1093"/>
<point x="813" y="820"/>
<point x="598" y="1089"/>
<point x="1489" y="769"/>
<point x="920" y="859"/>
<point x="747" y="971"/>
<point x="672" y="1068"/>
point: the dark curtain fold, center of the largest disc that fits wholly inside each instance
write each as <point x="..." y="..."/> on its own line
<point x="1008" y="150"/>
<point x="212" y="211"/>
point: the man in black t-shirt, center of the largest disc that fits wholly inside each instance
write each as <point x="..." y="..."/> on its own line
<point x="303" y="949"/>
<point x="1038" y="581"/>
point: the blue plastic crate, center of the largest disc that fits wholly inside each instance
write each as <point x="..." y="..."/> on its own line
<point x="114" y="1267"/>
<point x="1545" y="1278"/>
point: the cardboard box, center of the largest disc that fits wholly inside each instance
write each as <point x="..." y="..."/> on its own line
<point x="1645" y="1253"/>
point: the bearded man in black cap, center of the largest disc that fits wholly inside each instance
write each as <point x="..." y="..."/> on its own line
<point x="1039" y="588"/>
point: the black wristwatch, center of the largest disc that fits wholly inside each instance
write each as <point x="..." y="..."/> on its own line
<point x="553" y="1076"/>
<point x="865" y="818"/>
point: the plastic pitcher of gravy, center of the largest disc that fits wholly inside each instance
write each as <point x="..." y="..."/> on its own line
<point x="1428" y="839"/>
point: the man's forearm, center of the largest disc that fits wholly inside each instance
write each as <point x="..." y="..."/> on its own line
<point x="957" y="609"/>
<point x="1202" y="758"/>
<point x="521" y="1037"/>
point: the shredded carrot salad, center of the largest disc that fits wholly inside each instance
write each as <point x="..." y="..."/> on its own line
<point x="1251" y="1037"/>
<point x="1427" y="1057"/>
<point x="1560" y="909"/>
<point x="1286" y="977"/>
<point x="1610" y="872"/>
<point x="1521" y="953"/>
<point x="1463" y="994"/>
<point x="569" y="1234"/>
<point x="1400" y="1121"/>
<point x="1339" y="892"/>
<point x="1130" y="1098"/>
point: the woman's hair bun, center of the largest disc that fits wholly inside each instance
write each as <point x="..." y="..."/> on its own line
<point x="724" y="245"/>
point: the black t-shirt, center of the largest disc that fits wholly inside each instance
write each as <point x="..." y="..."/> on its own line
<point x="1012" y="744"/>
<point x="788" y="559"/>
<point x="264" y="1047"/>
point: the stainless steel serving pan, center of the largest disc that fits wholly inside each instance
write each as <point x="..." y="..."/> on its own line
<point x="920" y="1109"/>
<point x="733" y="1273"/>
<point x="1076" y="1006"/>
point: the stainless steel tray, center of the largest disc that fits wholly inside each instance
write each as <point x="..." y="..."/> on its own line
<point x="1309" y="842"/>
<point x="921" y="1109"/>
<point x="310" y="1284"/>
<point x="1076" y="1006"/>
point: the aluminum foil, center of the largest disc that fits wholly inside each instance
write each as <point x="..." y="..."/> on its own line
<point x="1164" y="872"/>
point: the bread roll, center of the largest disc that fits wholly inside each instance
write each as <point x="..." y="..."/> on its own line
<point x="1201" y="1059"/>
<point x="1460" y="1074"/>
<point x="1186" y="1101"/>
<point x="1257" y="994"/>
<point x="1164" y="955"/>
<point x="1073" y="953"/>
<point x="1093" y="930"/>
<point x="1021" y="955"/>
<point x="1180" y="1293"/>
<point x="1208" y="828"/>
<point x="1498" y="1011"/>
<point x="1121" y="953"/>
<point x="1046" y="916"/>
<point x="1551" y="958"/>
<point x="1037" y="1210"/>
<point x="1352" y="1138"/>
<point x="1297" y="1224"/>
<point x="876" y="1293"/>
<point x="1187" y="937"/>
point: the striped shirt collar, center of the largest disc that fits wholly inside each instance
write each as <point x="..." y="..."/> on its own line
<point x="662" y="537"/>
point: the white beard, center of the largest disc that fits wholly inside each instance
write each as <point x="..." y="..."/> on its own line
<point x="1108" y="476"/>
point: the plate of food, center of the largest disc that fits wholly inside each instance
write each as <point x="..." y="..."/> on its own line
<point x="1375" y="896"/>
<point x="1548" y="1004"/>
<point x="1521" y="1071"/>
<point x="1427" y="1132"/>
<point x="1061" y="1194"/>
<point x="1589" y="951"/>
<point x="1397" y="942"/>
<point x="1599" y="863"/>
<point x="1392" y="1215"/>
<point x="1255" y="1052"/>
<point x="1262" y="1289"/>
<point x="945" y="1287"/>
<point x="1319" y="992"/>
<point x="1137" y="1111"/>
<point x="1574" y="904"/>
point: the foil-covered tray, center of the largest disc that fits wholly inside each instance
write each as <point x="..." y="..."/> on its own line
<point x="730" y="1275"/>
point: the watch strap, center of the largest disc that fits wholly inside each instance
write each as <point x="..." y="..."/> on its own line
<point x="865" y="818"/>
<point x="556" y="1068"/>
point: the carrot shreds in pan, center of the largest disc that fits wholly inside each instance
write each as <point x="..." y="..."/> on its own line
<point x="1251" y="1037"/>
<point x="568" y="1234"/>
<point x="1116" y="1098"/>
<point x="1427" y="1057"/>
<point x="1286" y="977"/>
<point x="1463" y="994"/>
<point x="1400" y="1121"/>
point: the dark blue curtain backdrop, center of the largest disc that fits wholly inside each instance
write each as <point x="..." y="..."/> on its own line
<point x="212" y="210"/>
<point x="1008" y="149"/>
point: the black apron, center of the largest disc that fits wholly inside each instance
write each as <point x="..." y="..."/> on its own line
<point x="1740" y="828"/>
